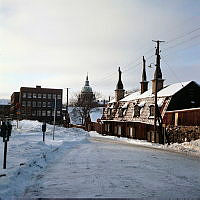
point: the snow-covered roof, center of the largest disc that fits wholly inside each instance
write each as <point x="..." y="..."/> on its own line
<point x="169" y="90"/>
<point x="131" y="96"/>
<point x="4" y="102"/>
<point x="172" y="89"/>
<point x="160" y="102"/>
<point x="141" y="104"/>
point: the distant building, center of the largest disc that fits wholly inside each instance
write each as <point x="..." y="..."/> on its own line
<point x="4" y="109"/>
<point x="86" y="96"/>
<point x="14" y="110"/>
<point x="37" y="104"/>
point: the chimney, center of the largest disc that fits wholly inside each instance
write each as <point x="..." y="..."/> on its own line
<point x="38" y="86"/>
<point x="119" y="92"/>
<point x="144" y="82"/>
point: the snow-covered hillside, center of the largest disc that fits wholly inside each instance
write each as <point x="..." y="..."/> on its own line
<point x="27" y="154"/>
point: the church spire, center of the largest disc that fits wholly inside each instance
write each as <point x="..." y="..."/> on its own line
<point x="119" y="92"/>
<point x="87" y="81"/>
<point x="120" y="84"/>
<point x="144" y="76"/>
<point x="144" y="82"/>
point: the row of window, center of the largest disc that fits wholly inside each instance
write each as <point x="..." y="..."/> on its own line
<point x="42" y="113"/>
<point x="39" y="104"/>
<point x="40" y="96"/>
<point x="137" y="110"/>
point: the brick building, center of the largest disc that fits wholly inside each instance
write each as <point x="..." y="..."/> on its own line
<point x="4" y="109"/>
<point x="38" y="104"/>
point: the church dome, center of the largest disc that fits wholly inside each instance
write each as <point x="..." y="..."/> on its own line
<point x="86" y="88"/>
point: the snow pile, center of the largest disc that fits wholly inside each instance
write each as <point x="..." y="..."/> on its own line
<point x="190" y="148"/>
<point x="27" y="154"/>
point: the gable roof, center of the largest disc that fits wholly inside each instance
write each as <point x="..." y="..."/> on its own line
<point x="167" y="91"/>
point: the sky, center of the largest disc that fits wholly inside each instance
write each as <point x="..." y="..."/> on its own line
<point x="54" y="43"/>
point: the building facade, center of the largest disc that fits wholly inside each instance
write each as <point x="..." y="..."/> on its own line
<point x="86" y="97"/>
<point x="133" y="116"/>
<point x="38" y="104"/>
<point x="4" y="109"/>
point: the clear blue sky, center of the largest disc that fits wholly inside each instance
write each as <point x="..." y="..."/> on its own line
<point x="54" y="43"/>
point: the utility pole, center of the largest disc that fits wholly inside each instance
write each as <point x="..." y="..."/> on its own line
<point x="67" y="118"/>
<point x="67" y="100"/>
<point x="156" y="109"/>
<point x="54" y="120"/>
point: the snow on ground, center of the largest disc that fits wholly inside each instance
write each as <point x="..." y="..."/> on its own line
<point x="4" y="101"/>
<point x="27" y="154"/>
<point x="190" y="148"/>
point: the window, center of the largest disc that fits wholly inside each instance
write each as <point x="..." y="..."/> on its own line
<point x="54" y="96"/>
<point x="23" y="111"/>
<point x="39" y="96"/>
<point x="24" y="103"/>
<point x="151" y="110"/>
<point x="38" y="104"/>
<point x="44" y="113"/>
<point x="29" y="95"/>
<point x="58" y="113"/>
<point x="49" y="104"/>
<point x="53" y="113"/>
<point x="120" y="112"/>
<point x="39" y="113"/>
<point x="59" y="96"/>
<point x="34" y="113"/>
<point x="24" y="95"/>
<point x="44" y="104"/>
<point x="34" y="103"/>
<point x="136" y="111"/>
<point x="28" y="103"/>
<point x="49" y="96"/>
<point x="109" y="111"/>
<point x="108" y="127"/>
<point x="44" y="96"/>
<point x="48" y="113"/>
<point x="34" y="95"/>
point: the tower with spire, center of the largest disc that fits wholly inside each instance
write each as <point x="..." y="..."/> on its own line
<point x="119" y="92"/>
<point x="158" y="76"/>
<point x="144" y="82"/>
<point x="86" y="96"/>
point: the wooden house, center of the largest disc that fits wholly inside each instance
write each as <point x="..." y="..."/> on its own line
<point x="133" y="116"/>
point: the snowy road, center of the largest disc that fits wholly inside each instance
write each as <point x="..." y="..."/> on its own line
<point x="105" y="169"/>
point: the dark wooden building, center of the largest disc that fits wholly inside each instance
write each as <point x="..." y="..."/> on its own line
<point x="133" y="116"/>
<point x="38" y="104"/>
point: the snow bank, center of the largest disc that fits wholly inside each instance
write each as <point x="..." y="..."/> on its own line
<point x="27" y="154"/>
<point x="190" y="148"/>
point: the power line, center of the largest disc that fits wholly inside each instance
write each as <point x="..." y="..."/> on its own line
<point x="176" y="77"/>
<point x="170" y="41"/>
<point x="183" y="35"/>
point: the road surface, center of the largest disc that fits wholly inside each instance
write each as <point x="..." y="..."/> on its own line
<point x="105" y="169"/>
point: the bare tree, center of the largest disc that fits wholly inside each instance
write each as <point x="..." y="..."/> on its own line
<point x="83" y="105"/>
